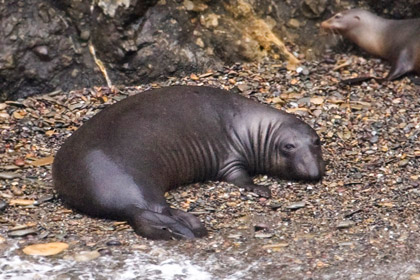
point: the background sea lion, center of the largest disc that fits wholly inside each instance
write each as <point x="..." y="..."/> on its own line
<point x="121" y="162"/>
<point x="397" y="41"/>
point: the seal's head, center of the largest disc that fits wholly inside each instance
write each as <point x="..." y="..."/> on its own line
<point x="349" y="21"/>
<point x="297" y="153"/>
<point x="343" y="20"/>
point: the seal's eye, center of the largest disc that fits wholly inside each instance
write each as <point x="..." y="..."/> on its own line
<point x="289" y="147"/>
<point x="337" y="16"/>
<point x="317" y="142"/>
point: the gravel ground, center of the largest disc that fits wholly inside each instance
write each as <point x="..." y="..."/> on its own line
<point x="361" y="222"/>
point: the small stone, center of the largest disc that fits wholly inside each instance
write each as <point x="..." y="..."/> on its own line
<point x="263" y="235"/>
<point x="296" y="205"/>
<point x="4" y="115"/>
<point x="194" y="77"/>
<point x="189" y="5"/>
<point x="294" y="23"/>
<point x="8" y="175"/>
<point x="113" y="243"/>
<point x="199" y="42"/>
<point x="43" y="199"/>
<point x="18" y="115"/>
<point x="3" y="205"/>
<point x="414" y="276"/>
<point x="209" y="20"/>
<point x="139" y="247"/>
<point x="275" y="246"/>
<point x="85" y="35"/>
<point x="22" y="202"/>
<point x="259" y="227"/>
<point x="345" y="224"/>
<point x="242" y="87"/>
<point x="275" y="205"/>
<point x="105" y="252"/>
<point x="262" y="199"/>
<point x="317" y="100"/>
<point x="22" y="232"/>
<point x="3" y="106"/>
<point x="403" y="162"/>
<point x="86" y="256"/>
<point x="45" y="249"/>
<point x="16" y="191"/>
<point x="345" y="244"/>
<point x="19" y="162"/>
<point x="235" y="236"/>
<point x="42" y="52"/>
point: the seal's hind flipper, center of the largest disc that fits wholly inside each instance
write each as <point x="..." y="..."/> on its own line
<point x="357" y="80"/>
<point x="190" y="220"/>
<point x="170" y="224"/>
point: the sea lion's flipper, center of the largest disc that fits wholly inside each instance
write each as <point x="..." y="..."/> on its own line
<point x="241" y="178"/>
<point x="402" y="65"/>
<point x="170" y="224"/>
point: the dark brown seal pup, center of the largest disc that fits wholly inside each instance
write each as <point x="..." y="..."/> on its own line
<point x="397" y="41"/>
<point x="121" y="162"/>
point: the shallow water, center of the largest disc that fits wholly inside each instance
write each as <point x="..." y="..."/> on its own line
<point x="163" y="264"/>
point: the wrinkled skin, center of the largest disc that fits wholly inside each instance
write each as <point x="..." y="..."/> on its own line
<point x="121" y="162"/>
<point x="397" y="41"/>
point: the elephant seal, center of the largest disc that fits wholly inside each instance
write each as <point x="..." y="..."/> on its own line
<point x="120" y="163"/>
<point x="397" y="41"/>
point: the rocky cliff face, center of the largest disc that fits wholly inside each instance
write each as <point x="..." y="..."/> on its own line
<point x="48" y="45"/>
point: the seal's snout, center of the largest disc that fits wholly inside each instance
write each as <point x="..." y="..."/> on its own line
<point x="316" y="172"/>
<point x="310" y="166"/>
<point x="312" y="172"/>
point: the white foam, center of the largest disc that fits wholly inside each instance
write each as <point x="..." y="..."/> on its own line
<point x="136" y="265"/>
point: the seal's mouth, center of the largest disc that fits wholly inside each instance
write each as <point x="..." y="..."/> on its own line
<point x="312" y="179"/>
<point x="325" y="25"/>
<point x="305" y="177"/>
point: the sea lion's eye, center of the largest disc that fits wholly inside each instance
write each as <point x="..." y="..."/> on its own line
<point x="337" y="16"/>
<point x="289" y="147"/>
<point x="317" y="142"/>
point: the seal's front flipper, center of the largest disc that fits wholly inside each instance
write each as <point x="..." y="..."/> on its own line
<point x="170" y="224"/>
<point x="401" y="66"/>
<point x="241" y="178"/>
